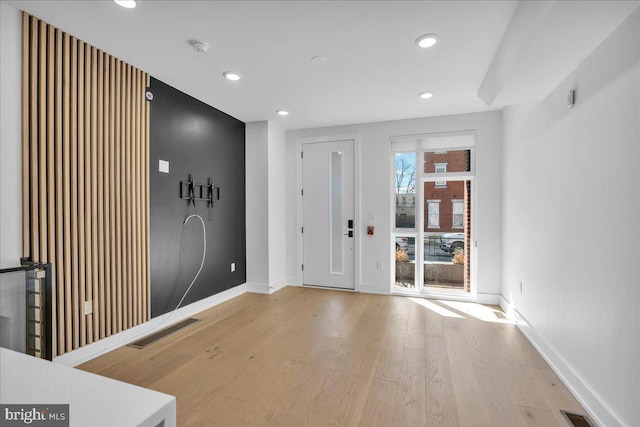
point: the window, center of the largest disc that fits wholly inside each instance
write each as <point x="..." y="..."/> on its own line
<point x="458" y="213"/>
<point x="432" y="178"/>
<point x="433" y="213"/>
<point x="441" y="168"/>
<point x="405" y="190"/>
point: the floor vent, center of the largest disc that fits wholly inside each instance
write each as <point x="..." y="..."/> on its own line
<point x="577" y="420"/>
<point x="150" y="339"/>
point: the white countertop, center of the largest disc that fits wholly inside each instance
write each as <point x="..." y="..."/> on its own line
<point x="93" y="400"/>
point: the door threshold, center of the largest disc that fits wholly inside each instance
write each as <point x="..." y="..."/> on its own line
<point x="444" y="295"/>
<point x="329" y="288"/>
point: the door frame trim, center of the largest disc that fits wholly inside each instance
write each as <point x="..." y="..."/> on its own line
<point x="355" y="137"/>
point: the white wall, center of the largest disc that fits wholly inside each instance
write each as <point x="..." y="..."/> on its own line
<point x="571" y="230"/>
<point x="265" y="198"/>
<point x="10" y="137"/>
<point x="257" y="198"/>
<point x="277" y="207"/>
<point x="12" y="314"/>
<point x="376" y="187"/>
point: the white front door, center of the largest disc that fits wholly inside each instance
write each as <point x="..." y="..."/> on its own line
<point x="328" y="214"/>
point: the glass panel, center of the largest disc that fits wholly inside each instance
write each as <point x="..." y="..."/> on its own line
<point x="440" y="168"/>
<point x="447" y="260"/>
<point x="458" y="213"/>
<point x="433" y="213"/>
<point x="336" y="218"/>
<point x="405" y="262"/>
<point x="454" y="161"/>
<point x="13" y="319"/>
<point x="405" y="190"/>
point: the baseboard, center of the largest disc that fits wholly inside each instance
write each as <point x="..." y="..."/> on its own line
<point x="591" y="403"/>
<point x="277" y="285"/>
<point x="258" y="288"/>
<point x="373" y="289"/>
<point x="506" y="307"/>
<point x="98" y="348"/>
<point x="492" y="299"/>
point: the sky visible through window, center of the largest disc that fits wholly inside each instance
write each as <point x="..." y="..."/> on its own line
<point x="405" y="173"/>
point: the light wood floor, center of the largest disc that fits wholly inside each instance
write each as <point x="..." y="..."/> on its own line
<point x="308" y="357"/>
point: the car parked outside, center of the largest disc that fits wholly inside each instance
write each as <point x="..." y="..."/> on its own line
<point x="449" y="242"/>
<point x="402" y="243"/>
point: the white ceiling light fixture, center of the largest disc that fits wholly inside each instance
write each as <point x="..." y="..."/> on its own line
<point x="232" y="75"/>
<point x="128" y="4"/>
<point x="427" y="40"/>
<point x="319" y="60"/>
<point x="199" y="46"/>
<point x="282" y="112"/>
<point x="426" y="95"/>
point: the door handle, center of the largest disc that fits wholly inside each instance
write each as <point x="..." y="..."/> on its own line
<point x="350" y="233"/>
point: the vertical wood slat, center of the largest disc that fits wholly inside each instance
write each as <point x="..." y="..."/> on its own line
<point x="139" y="105"/>
<point x="60" y="255"/>
<point x="42" y="140"/>
<point x="126" y="194"/>
<point x="33" y="134"/>
<point x="82" y="238"/>
<point x="26" y="217"/>
<point x="108" y="175"/>
<point x="85" y="182"/>
<point x="75" y="239"/>
<point x="112" y="200"/>
<point x="88" y="292"/>
<point x="51" y="176"/>
<point x="100" y="325"/>
<point x="118" y="192"/>
<point x="94" y="195"/>
<point x="147" y="241"/>
<point x="133" y="197"/>
<point x="66" y="185"/>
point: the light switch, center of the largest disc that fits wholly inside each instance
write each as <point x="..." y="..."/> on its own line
<point x="163" y="166"/>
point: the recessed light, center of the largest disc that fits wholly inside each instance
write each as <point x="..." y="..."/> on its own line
<point x="233" y="76"/>
<point x="282" y="112"/>
<point x="318" y="60"/>
<point x="427" y="40"/>
<point x="129" y="4"/>
<point x="426" y="95"/>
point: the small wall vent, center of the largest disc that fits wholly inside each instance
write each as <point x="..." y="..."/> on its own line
<point x="150" y="339"/>
<point x="577" y="420"/>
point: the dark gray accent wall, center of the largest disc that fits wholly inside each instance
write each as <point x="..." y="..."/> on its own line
<point x="196" y="139"/>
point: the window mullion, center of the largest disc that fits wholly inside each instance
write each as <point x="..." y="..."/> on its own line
<point x="420" y="225"/>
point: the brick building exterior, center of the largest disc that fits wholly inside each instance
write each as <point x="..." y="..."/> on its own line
<point x="444" y="202"/>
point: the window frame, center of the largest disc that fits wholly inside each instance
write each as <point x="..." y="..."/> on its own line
<point x="419" y="144"/>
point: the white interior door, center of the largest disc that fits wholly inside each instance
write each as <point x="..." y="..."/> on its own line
<point x="328" y="214"/>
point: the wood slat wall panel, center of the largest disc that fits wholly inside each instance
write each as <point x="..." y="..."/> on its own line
<point x="100" y="326"/>
<point x="118" y="196"/>
<point x="81" y="180"/>
<point x="146" y="215"/>
<point x="33" y="137"/>
<point x="51" y="169"/>
<point x="58" y="147"/>
<point x="26" y="160"/>
<point x="75" y="240"/>
<point x="66" y="185"/>
<point x="42" y="140"/>
<point x="85" y="130"/>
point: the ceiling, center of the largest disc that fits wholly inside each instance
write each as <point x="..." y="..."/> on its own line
<point x="373" y="71"/>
